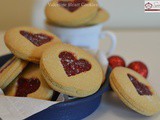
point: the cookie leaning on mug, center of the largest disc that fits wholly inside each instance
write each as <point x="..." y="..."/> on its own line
<point x="10" y="70"/>
<point x="29" y="43"/>
<point x="71" y="13"/>
<point x="70" y="70"/>
<point x="30" y="83"/>
<point x="101" y="17"/>
<point x="135" y="91"/>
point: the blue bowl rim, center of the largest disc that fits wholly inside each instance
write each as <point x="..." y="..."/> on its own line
<point x="105" y="87"/>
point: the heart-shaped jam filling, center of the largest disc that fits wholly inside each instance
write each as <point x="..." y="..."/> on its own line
<point x="27" y="86"/>
<point x="36" y="39"/>
<point x="140" y="87"/>
<point x="6" y="65"/>
<point x="72" y="5"/>
<point x="71" y="65"/>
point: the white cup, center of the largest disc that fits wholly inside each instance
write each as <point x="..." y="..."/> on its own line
<point x="86" y="37"/>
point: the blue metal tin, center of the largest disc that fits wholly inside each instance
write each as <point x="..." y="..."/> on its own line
<point x="75" y="109"/>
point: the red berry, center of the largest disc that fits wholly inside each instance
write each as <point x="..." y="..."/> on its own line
<point x="116" y="61"/>
<point x="139" y="67"/>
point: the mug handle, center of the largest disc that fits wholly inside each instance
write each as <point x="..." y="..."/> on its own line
<point x="112" y="37"/>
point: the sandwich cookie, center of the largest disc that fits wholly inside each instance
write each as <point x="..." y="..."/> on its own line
<point x="10" y="70"/>
<point x="135" y="91"/>
<point x="101" y="17"/>
<point x="30" y="83"/>
<point x="70" y="70"/>
<point x="71" y="13"/>
<point x="29" y="43"/>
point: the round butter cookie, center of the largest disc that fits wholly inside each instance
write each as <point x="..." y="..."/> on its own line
<point x="29" y="43"/>
<point x="10" y="70"/>
<point x="30" y="83"/>
<point x="101" y="17"/>
<point x="135" y="91"/>
<point x="71" y="13"/>
<point x="70" y="70"/>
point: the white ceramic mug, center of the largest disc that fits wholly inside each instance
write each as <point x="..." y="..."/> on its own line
<point x="85" y="37"/>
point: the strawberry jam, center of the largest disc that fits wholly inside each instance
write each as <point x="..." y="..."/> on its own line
<point x="140" y="87"/>
<point x="72" y="5"/>
<point x="71" y="65"/>
<point x="36" y="39"/>
<point x="27" y="86"/>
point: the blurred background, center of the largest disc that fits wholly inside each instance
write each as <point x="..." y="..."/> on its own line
<point x="123" y="14"/>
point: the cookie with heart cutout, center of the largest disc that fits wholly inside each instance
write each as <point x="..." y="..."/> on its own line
<point x="101" y="17"/>
<point x="10" y="70"/>
<point x="29" y="43"/>
<point x="71" y="70"/>
<point x="30" y="83"/>
<point x="71" y="13"/>
<point x="135" y="91"/>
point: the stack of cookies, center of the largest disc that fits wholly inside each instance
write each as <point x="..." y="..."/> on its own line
<point x="75" y="13"/>
<point x="42" y="64"/>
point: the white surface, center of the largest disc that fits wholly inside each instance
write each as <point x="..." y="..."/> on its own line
<point x="132" y="45"/>
<point x="129" y="14"/>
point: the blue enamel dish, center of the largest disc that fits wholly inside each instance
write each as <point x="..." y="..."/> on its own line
<point x="75" y="109"/>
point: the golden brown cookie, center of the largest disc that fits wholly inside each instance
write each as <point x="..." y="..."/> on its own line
<point x="29" y="43"/>
<point x="30" y="83"/>
<point x="135" y="91"/>
<point x="70" y="70"/>
<point x="101" y="17"/>
<point x="10" y="70"/>
<point x="71" y="13"/>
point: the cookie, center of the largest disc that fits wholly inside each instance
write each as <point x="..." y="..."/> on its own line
<point x="30" y="83"/>
<point x="29" y="43"/>
<point x="135" y="91"/>
<point x="101" y="17"/>
<point x="71" y="13"/>
<point x="10" y="70"/>
<point x="71" y="70"/>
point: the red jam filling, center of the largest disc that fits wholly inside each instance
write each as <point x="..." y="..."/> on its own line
<point x="36" y="39"/>
<point x="72" y="5"/>
<point x="140" y="87"/>
<point x="27" y="86"/>
<point x="71" y="65"/>
<point x="6" y="66"/>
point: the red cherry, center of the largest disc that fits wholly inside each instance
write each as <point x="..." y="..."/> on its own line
<point x="116" y="61"/>
<point x="139" y="67"/>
